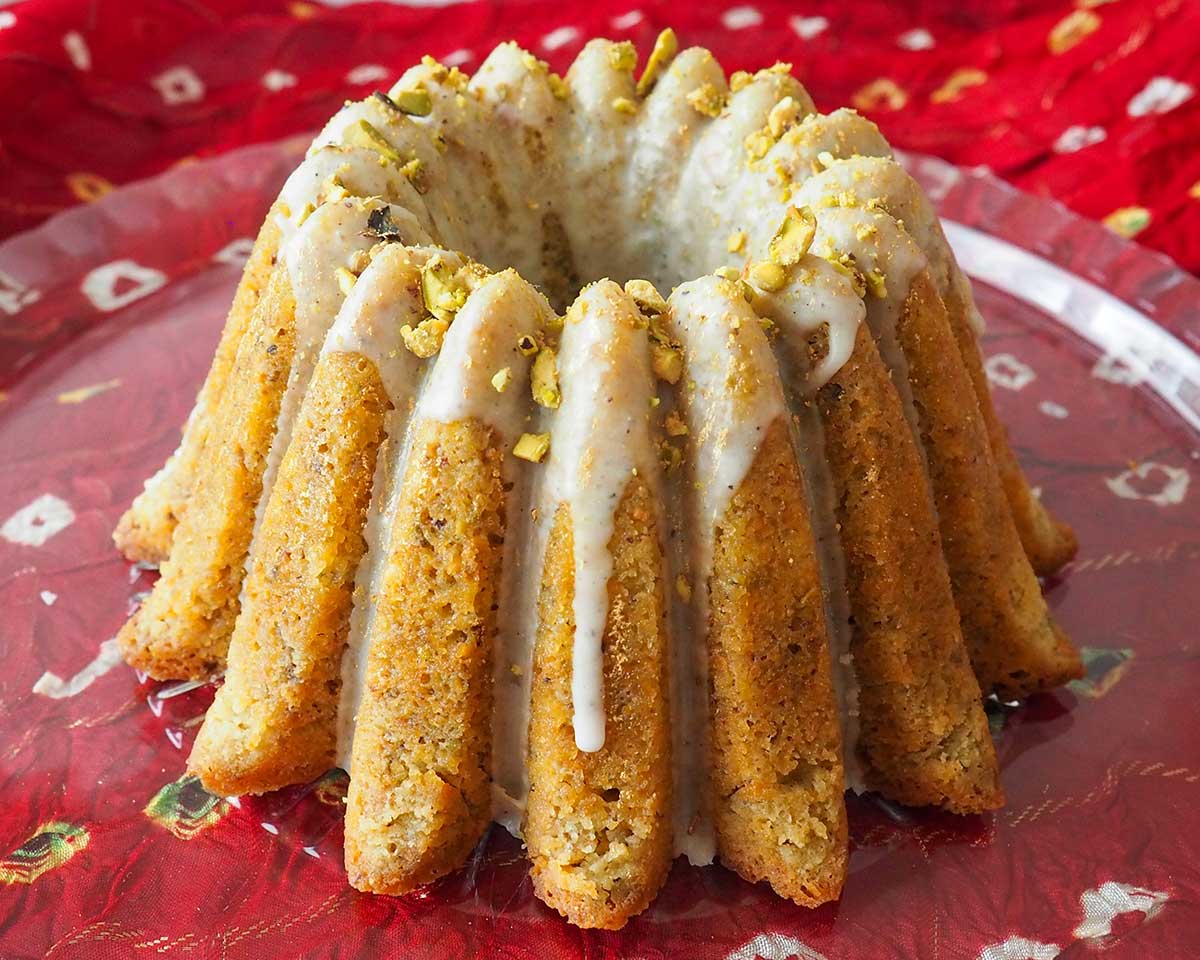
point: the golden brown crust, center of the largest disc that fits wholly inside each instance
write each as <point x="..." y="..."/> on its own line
<point x="1016" y="647"/>
<point x="183" y="628"/>
<point x="1049" y="543"/>
<point x="923" y="733"/>
<point x="597" y="825"/>
<point x="273" y="723"/>
<point x="420" y="781"/>
<point x="145" y="530"/>
<point x="777" y="776"/>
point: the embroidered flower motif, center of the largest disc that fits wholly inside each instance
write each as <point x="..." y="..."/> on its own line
<point x="1005" y="370"/>
<point x="101" y="285"/>
<point x="1124" y="369"/>
<point x="37" y="522"/>
<point x="77" y="49"/>
<point x="14" y="295"/>
<point x="179" y="85"/>
<point x="56" y="688"/>
<point x="917" y="39"/>
<point x="1071" y="30"/>
<point x="1164" y="486"/>
<point x="775" y="946"/>
<point x="1076" y="138"/>
<point x="880" y="94"/>
<point x="1128" y="221"/>
<point x="739" y="18"/>
<point x="276" y="80"/>
<point x="1020" y="948"/>
<point x="87" y="187"/>
<point x="1110" y="900"/>
<point x="556" y="39"/>
<point x="236" y="252"/>
<point x="960" y="80"/>
<point x="1160" y="95"/>
<point x="808" y="27"/>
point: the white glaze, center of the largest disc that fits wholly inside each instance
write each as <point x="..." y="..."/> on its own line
<point x="600" y="439"/>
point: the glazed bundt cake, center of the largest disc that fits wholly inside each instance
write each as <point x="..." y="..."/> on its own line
<point x="664" y="574"/>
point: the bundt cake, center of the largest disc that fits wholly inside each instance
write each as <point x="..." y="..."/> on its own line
<point x="660" y="575"/>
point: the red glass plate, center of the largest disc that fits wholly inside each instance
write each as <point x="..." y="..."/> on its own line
<point x="108" y="316"/>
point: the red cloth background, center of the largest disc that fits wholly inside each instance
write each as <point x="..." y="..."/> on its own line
<point x="1090" y="102"/>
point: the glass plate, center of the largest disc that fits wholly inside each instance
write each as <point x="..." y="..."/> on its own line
<point x="108" y="316"/>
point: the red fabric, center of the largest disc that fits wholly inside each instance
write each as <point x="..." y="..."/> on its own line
<point x="1029" y="89"/>
<point x="108" y="851"/>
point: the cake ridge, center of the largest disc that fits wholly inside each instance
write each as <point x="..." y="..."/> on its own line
<point x="554" y="520"/>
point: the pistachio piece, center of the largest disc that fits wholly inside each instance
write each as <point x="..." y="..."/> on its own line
<point x="757" y="144"/>
<point x="437" y="70"/>
<point x="794" y="236"/>
<point x="740" y="80"/>
<point x="544" y="379"/>
<point x="366" y="134"/>
<point x="674" y="425"/>
<point x="345" y="280"/>
<point x="558" y="86"/>
<point x="444" y="293"/>
<point x="670" y="455"/>
<point x="732" y="274"/>
<point x="305" y="214"/>
<point x="826" y="159"/>
<point x="501" y="379"/>
<point x="683" y="588"/>
<point x="877" y="284"/>
<point x="623" y="56"/>
<point x="649" y="301"/>
<point x="768" y="276"/>
<point x="532" y="447"/>
<point x="736" y="242"/>
<point x="666" y="360"/>
<point x="783" y="116"/>
<point x="415" y="101"/>
<point x="624" y="105"/>
<point x="334" y="190"/>
<point x="665" y="48"/>
<point x="707" y="99"/>
<point x="425" y="339"/>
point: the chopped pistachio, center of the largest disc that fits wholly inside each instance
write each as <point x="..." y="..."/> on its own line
<point x="345" y="280"/>
<point x="826" y="159"/>
<point x="437" y="70"/>
<point x="501" y="379"/>
<point x="665" y="48"/>
<point x="782" y="116"/>
<point x="675" y="425"/>
<point x="305" y="214"/>
<point x="527" y="345"/>
<point x="444" y="293"/>
<point x="877" y="284"/>
<point x="334" y="190"/>
<point x="736" y="242"/>
<point x="758" y="143"/>
<point x="359" y="261"/>
<point x="544" y="379"/>
<point x="366" y="134"/>
<point x="780" y="66"/>
<point x="768" y="276"/>
<point x="740" y="80"/>
<point x="532" y="447"/>
<point x="683" y="588"/>
<point x="647" y="298"/>
<point x="625" y="105"/>
<point x="669" y="455"/>
<point x="654" y="402"/>
<point x="414" y="101"/>
<point x="425" y="339"/>
<point x="748" y="293"/>
<point x="732" y="274"/>
<point x="558" y="86"/>
<point x="707" y="99"/>
<point x="666" y="361"/>
<point x="533" y="64"/>
<point x="623" y="56"/>
<point x="412" y="169"/>
<point x="794" y="236"/>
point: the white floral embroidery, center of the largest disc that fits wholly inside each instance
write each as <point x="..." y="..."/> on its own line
<point x="627" y="20"/>
<point x="556" y="39"/>
<point x="917" y="39"/>
<point x="235" y="253"/>
<point x="276" y="80"/>
<point x="368" y="73"/>
<point x="100" y="285"/>
<point x="77" y="49"/>
<point x="1171" y="490"/>
<point x="1076" y="138"/>
<point x="775" y="946"/>
<point x="808" y="27"/>
<point x="1124" y="369"/>
<point x="37" y="522"/>
<point x="1020" y="948"/>
<point x="456" y="58"/>
<point x="739" y="18"/>
<point x="1005" y="370"/>
<point x="175" y="736"/>
<point x="14" y="295"/>
<point x="48" y="597"/>
<point x="1055" y="410"/>
<point x="53" y="686"/>
<point x="270" y="828"/>
<point x="7" y="19"/>
<point x="312" y="852"/>
<point x="1108" y="901"/>
<point x="179" y="85"/>
<point x="1160" y="95"/>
